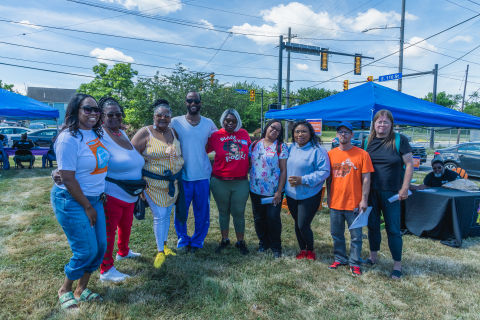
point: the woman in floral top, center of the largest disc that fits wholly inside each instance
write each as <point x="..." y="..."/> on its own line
<point x="267" y="179"/>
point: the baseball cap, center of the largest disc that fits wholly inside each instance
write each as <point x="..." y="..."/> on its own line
<point x="437" y="161"/>
<point x="345" y="124"/>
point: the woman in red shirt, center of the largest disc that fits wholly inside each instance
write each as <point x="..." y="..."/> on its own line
<point x="229" y="182"/>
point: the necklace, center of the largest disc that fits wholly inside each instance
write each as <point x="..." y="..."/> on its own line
<point x="155" y="128"/>
<point x="192" y="123"/>
<point x="114" y="133"/>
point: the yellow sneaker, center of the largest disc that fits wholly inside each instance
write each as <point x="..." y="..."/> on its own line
<point x="168" y="251"/>
<point x="159" y="260"/>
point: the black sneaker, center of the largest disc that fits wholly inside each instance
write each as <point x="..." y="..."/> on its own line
<point x="242" y="246"/>
<point x="194" y="249"/>
<point x="184" y="249"/>
<point x="262" y="250"/>
<point x="277" y="254"/>
<point x="223" y="245"/>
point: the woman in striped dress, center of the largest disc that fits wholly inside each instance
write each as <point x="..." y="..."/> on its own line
<point x="159" y="146"/>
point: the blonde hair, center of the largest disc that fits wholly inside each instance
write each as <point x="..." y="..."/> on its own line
<point x="389" y="141"/>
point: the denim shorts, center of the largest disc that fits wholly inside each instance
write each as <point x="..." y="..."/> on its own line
<point x="88" y="244"/>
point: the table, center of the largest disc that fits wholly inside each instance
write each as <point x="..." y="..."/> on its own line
<point x="447" y="215"/>
<point x="36" y="152"/>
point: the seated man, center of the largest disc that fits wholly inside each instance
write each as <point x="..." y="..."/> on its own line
<point x="440" y="175"/>
<point x="50" y="156"/>
<point x="24" y="144"/>
<point x="3" y="154"/>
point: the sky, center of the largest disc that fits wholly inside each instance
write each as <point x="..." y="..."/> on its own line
<point x="168" y="32"/>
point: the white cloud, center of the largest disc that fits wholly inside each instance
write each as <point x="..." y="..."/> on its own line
<point x="461" y="38"/>
<point x="375" y="19"/>
<point x="415" y="51"/>
<point x="110" y="53"/>
<point x="157" y="6"/>
<point x="208" y="24"/>
<point x="294" y="13"/>
<point x="301" y="66"/>
<point x="27" y="24"/>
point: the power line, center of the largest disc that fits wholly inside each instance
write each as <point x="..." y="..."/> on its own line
<point x="436" y="34"/>
<point x="460" y="57"/>
<point x="216" y="52"/>
<point x="461" y="6"/>
<point x="478" y="4"/>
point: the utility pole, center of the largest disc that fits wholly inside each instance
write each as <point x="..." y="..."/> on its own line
<point x="402" y="32"/>
<point x="287" y="98"/>
<point x="434" y="100"/>
<point x="261" y="118"/>
<point x="280" y="58"/>
<point x="463" y="101"/>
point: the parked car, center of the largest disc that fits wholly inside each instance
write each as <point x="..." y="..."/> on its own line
<point x="42" y="137"/>
<point x="417" y="149"/>
<point x="38" y="125"/>
<point x="10" y="123"/>
<point x="464" y="155"/>
<point x="14" y="130"/>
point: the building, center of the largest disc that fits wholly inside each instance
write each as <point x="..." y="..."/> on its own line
<point x="54" y="97"/>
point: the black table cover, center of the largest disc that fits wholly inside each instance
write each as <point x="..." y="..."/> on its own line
<point x="447" y="215"/>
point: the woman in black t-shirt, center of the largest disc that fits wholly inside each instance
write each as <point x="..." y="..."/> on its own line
<point x="392" y="161"/>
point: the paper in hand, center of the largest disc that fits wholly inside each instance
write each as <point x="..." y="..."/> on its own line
<point x="397" y="196"/>
<point x="361" y="220"/>
<point x="267" y="200"/>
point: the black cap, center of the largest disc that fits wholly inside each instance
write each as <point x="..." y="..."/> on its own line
<point x="437" y="161"/>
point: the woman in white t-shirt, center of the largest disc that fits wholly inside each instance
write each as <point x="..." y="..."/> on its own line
<point x="125" y="164"/>
<point x="82" y="160"/>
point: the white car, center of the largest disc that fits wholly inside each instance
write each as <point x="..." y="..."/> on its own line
<point x="8" y="132"/>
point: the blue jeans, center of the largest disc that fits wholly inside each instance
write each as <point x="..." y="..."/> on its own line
<point x="198" y="192"/>
<point x="49" y="158"/>
<point x="378" y="199"/>
<point x="337" y="230"/>
<point x="88" y="244"/>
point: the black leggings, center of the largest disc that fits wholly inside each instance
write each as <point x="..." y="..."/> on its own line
<point x="303" y="212"/>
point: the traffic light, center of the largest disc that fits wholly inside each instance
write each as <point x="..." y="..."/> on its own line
<point x="369" y="78"/>
<point x="252" y="95"/>
<point x="358" y="65"/>
<point x="212" y="78"/>
<point x="324" y="60"/>
<point x="345" y="85"/>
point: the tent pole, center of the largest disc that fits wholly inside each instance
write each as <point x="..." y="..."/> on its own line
<point x="56" y="122"/>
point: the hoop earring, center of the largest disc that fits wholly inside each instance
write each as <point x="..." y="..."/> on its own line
<point x="154" y="127"/>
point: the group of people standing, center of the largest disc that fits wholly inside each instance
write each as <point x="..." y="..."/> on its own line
<point x="101" y="175"/>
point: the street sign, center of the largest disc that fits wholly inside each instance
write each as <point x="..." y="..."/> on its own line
<point x="388" y="77"/>
<point x="242" y="91"/>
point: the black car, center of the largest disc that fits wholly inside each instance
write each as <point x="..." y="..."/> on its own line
<point x="417" y="149"/>
<point x="42" y="137"/>
<point x="464" y="155"/>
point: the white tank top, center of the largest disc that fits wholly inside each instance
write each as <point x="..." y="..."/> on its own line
<point x="123" y="165"/>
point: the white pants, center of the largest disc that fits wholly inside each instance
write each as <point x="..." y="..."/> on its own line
<point x="161" y="222"/>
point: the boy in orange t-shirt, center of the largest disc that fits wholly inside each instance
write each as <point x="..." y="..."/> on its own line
<point x="348" y="187"/>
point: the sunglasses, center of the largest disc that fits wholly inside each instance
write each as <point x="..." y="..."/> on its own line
<point x="111" y="115"/>
<point x="197" y="101"/>
<point x="234" y="121"/>
<point x="162" y="115"/>
<point x="89" y="110"/>
<point x="272" y="128"/>
<point x="344" y="133"/>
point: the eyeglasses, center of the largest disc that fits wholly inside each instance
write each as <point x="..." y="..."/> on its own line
<point x="89" y="110"/>
<point x="234" y="121"/>
<point x="383" y="122"/>
<point x="344" y="133"/>
<point x="116" y="114"/>
<point x="300" y="131"/>
<point x="162" y="115"/>
<point x="197" y="101"/>
<point x="272" y="128"/>
<point x="437" y="168"/>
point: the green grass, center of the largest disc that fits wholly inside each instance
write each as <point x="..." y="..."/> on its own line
<point x="439" y="283"/>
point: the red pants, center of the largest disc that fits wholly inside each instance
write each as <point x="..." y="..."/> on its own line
<point x="119" y="214"/>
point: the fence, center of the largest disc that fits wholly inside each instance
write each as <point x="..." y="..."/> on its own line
<point x="443" y="137"/>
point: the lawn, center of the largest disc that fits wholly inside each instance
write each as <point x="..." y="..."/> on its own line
<point x="439" y="283"/>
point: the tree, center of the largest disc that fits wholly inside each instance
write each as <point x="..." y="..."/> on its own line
<point x="306" y="95"/>
<point x="447" y="100"/>
<point x="8" y="87"/>
<point x="472" y="105"/>
<point x="116" y="82"/>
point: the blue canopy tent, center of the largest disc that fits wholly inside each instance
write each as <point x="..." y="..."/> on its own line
<point x="358" y="106"/>
<point x="18" y="107"/>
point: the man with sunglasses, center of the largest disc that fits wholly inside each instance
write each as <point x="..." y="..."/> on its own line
<point x="439" y="176"/>
<point x="348" y="187"/>
<point x="193" y="132"/>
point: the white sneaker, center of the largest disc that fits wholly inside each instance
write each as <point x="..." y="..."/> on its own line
<point x="130" y="254"/>
<point x="113" y="275"/>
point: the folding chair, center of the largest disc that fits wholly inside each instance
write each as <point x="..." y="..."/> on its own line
<point x="24" y="156"/>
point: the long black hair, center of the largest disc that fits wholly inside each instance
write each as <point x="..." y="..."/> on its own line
<point x="72" y="124"/>
<point x="280" y="134"/>
<point x="314" y="139"/>
<point x="106" y="101"/>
